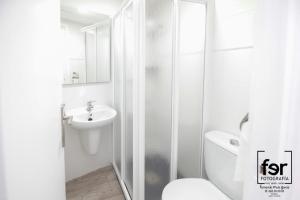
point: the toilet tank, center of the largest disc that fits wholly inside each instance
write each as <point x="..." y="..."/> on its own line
<point x="220" y="154"/>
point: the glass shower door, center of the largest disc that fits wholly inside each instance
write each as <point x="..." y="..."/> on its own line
<point x="118" y="88"/>
<point x="192" y="18"/>
<point x="123" y="34"/>
<point x="158" y="105"/>
<point x="128" y="69"/>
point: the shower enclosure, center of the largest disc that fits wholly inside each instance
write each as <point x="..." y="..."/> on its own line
<point x="123" y="34"/>
<point x="158" y="59"/>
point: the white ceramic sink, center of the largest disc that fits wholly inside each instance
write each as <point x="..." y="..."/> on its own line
<point x="101" y="115"/>
<point x="91" y="124"/>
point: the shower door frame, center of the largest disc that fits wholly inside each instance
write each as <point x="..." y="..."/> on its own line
<point x="138" y="102"/>
<point x="139" y="69"/>
<point x="120" y="175"/>
<point x="175" y="89"/>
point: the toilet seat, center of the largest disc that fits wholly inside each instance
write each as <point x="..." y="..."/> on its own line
<point x="192" y="189"/>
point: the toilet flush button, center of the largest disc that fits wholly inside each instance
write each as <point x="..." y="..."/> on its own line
<point x="234" y="142"/>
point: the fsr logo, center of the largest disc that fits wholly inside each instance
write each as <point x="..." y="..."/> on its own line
<point x="274" y="177"/>
<point x="272" y="169"/>
<point x="274" y="172"/>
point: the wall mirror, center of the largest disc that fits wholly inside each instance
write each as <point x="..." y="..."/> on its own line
<point x="86" y="43"/>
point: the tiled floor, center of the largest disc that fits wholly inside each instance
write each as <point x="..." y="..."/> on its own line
<point x="101" y="184"/>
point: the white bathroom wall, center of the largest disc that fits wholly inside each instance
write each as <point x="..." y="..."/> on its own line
<point x="229" y="64"/>
<point x="32" y="157"/>
<point x="77" y="161"/>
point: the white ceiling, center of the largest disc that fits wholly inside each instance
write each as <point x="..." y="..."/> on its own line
<point x="89" y="11"/>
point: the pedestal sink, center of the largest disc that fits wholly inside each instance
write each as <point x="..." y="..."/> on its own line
<point x="90" y="124"/>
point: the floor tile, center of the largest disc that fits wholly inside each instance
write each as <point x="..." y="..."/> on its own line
<point x="101" y="184"/>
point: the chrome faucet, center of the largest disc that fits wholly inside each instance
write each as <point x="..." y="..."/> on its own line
<point x="90" y="106"/>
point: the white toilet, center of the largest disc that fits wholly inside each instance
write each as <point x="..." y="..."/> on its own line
<point x="220" y="154"/>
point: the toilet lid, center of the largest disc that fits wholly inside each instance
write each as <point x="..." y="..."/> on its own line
<point x="192" y="189"/>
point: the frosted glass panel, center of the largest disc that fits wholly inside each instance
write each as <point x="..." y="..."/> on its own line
<point x="128" y="61"/>
<point x="158" y="116"/>
<point x="191" y="74"/>
<point x="118" y="91"/>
